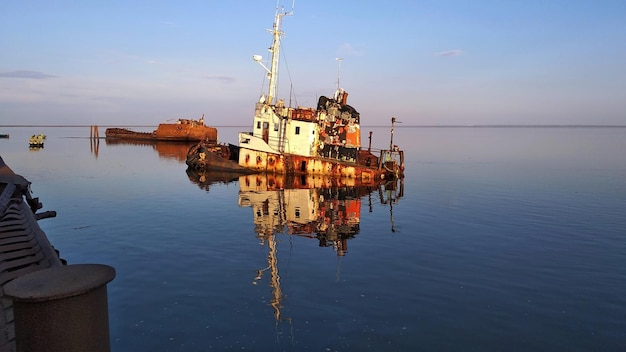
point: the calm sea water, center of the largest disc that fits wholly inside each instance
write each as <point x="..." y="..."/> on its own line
<point x="503" y="239"/>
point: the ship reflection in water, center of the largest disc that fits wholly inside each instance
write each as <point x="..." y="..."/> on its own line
<point x="323" y="208"/>
<point x="326" y="209"/>
<point x="205" y="179"/>
<point x="166" y="150"/>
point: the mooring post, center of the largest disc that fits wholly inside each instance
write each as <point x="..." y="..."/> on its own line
<point x="62" y="309"/>
<point x="93" y="132"/>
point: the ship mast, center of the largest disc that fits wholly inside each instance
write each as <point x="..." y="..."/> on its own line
<point x="272" y="72"/>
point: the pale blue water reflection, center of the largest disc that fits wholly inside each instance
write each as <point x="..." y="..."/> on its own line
<point x="505" y="239"/>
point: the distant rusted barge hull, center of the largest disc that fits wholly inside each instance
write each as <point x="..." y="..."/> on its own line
<point x="182" y="130"/>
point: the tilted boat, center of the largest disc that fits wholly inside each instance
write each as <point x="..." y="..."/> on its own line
<point x="325" y="140"/>
<point x="181" y="130"/>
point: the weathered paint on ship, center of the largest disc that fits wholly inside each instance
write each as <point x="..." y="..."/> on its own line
<point x="291" y="164"/>
<point x="325" y="140"/>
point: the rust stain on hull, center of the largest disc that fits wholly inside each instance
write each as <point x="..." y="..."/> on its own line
<point x="289" y="164"/>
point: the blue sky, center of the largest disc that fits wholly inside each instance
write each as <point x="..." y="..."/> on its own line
<point x="436" y="62"/>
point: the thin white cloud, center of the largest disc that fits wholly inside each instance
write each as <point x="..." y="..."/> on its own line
<point x="455" y="52"/>
<point x="222" y="79"/>
<point x="26" y="74"/>
<point x="121" y="57"/>
<point x="347" y="49"/>
<point x="117" y="58"/>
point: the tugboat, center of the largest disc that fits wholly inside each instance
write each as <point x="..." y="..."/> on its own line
<point x="325" y="140"/>
<point x="183" y="130"/>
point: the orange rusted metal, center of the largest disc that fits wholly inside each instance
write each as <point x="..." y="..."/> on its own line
<point x="303" y="114"/>
<point x="186" y="130"/>
<point x="289" y="164"/>
<point x="181" y="130"/>
<point x="324" y="140"/>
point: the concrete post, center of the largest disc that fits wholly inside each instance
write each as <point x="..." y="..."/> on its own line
<point x="62" y="309"/>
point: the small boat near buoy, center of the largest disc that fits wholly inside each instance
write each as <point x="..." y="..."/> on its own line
<point x="36" y="140"/>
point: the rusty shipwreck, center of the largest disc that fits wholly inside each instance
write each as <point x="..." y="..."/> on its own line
<point x="183" y="130"/>
<point x="322" y="140"/>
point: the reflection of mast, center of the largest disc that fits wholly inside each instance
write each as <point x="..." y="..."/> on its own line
<point x="275" y="278"/>
<point x="330" y="212"/>
<point x="338" y="270"/>
<point x="391" y="195"/>
<point x="272" y="266"/>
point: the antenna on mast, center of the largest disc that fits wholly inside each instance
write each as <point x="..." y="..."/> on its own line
<point x="339" y="59"/>
<point x="283" y="13"/>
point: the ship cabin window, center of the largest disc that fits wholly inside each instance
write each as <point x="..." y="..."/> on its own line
<point x="297" y="129"/>
<point x="258" y="124"/>
<point x="276" y="127"/>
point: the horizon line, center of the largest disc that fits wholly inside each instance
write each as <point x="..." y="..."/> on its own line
<point x="395" y="126"/>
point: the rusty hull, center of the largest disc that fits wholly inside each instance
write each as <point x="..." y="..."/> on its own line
<point x="289" y="164"/>
<point x="184" y="131"/>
